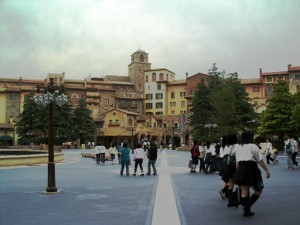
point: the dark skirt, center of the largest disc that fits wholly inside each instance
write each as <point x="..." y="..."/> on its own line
<point x="195" y="160"/>
<point x="249" y="174"/>
<point x="228" y="172"/>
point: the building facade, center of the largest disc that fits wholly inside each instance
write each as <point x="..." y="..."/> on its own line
<point x="148" y="103"/>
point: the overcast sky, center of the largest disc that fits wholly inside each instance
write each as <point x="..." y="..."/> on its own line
<point x="97" y="37"/>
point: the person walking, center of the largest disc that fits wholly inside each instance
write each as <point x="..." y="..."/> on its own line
<point x="201" y="158"/>
<point x="152" y="156"/>
<point x="224" y="151"/>
<point x="102" y="149"/>
<point x="269" y="151"/>
<point x="125" y="159"/>
<point x="294" y="145"/>
<point x="230" y="169"/>
<point x="112" y="152"/>
<point x="195" y="156"/>
<point x="139" y="155"/>
<point x="97" y="153"/>
<point x="248" y="174"/>
<point x="120" y="146"/>
<point x="209" y="153"/>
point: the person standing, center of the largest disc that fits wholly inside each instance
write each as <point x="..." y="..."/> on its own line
<point x="289" y="152"/>
<point x="102" y="153"/>
<point x="97" y="153"/>
<point x="152" y="156"/>
<point x="294" y="144"/>
<point x="112" y="152"/>
<point x="139" y="155"/>
<point x="195" y="156"/>
<point x="209" y="153"/>
<point x="248" y="156"/>
<point x="120" y="146"/>
<point x="269" y="151"/>
<point x="125" y="159"/>
<point x="201" y="158"/>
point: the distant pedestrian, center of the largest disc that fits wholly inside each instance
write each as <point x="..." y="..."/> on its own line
<point x="295" y="152"/>
<point x="120" y="146"/>
<point x="201" y="158"/>
<point x="248" y="174"/>
<point x="289" y="152"/>
<point x="152" y="156"/>
<point x="125" y="159"/>
<point x="97" y="153"/>
<point x="139" y="155"/>
<point x="102" y="153"/>
<point x="112" y="152"/>
<point x="209" y="153"/>
<point x="269" y="151"/>
<point x="195" y="156"/>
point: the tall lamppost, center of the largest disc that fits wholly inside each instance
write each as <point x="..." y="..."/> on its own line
<point x="48" y="98"/>
<point x="173" y="139"/>
<point x="132" y="129"/>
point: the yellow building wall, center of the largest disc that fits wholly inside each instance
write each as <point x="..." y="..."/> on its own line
<point x="180" y="105"/>
<point x="2" y="105"/>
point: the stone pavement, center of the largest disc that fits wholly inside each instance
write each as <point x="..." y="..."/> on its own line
<point x="92" y="194"/>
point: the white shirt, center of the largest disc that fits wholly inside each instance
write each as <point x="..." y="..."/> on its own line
<point x="211" y="150"/>
<point x="101" y="149"/>
<point x="139" y="153"/>
<point x="248" y="152"/>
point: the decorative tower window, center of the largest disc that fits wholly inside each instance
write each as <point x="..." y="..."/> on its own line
<point x="141" y="58"/>
<point x="153" y="77"/>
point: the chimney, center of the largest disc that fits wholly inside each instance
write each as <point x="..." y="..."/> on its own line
<point x="289" y="66"/>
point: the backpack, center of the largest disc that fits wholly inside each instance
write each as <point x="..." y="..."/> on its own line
<point x="288" y="148"/>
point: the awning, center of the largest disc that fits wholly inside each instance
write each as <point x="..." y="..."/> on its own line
<point x="6" y="138"/>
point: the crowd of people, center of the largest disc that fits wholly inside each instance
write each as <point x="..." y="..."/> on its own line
<point x="144" y="149"/>
<point x="237" y="165"/>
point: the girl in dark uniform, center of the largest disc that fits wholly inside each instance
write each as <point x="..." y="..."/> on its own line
<point x="248" y="174"/>
<point x="195" y="153"/>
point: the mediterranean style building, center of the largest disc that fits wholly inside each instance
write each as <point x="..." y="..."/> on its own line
<point x="259" y="89"/>
<point x="148" y="103"/>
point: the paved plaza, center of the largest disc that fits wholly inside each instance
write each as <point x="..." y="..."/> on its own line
<point x="92" y="194"/>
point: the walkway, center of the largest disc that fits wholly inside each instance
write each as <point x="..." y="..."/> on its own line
<point x="93" y="194"/>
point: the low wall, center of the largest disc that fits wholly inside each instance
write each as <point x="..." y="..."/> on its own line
<point x="19" y="160"/>
<point x="184" y="148"/>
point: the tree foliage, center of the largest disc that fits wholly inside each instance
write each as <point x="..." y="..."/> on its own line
<point x="32" y="125"/>
<point x="220" y="107"/>
<point x="276" y="119"/>
<point x="83" y="123"/>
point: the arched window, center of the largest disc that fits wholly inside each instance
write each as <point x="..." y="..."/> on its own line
<point x="165" y="125"/>
<point x="153" y="77"/>
<point x="141" y="58"/>
<point x="146" y="78"/>
<point x="161" y="76"/>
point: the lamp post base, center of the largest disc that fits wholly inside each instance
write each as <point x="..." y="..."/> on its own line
<point x="51" y="189"/>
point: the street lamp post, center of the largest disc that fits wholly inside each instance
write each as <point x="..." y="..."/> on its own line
<point x="132" y="131"/>
<point x="48" y="99"/>
<point x="173" y="139"/>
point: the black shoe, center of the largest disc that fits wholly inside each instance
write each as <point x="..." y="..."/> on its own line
<point x="134" y="174"/>
<point x="248" y="214"/>
<point x="232" y="205"/>
<point x="142" y="175"/>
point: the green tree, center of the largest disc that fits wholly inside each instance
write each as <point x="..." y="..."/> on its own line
<point x="275" y="120"/>
<point x="295" y="118"/>
<point x="25" y="126"/>
<point x="83" y="124"/>
<point x="200" y="110"/>
<point x="220" y="107"/>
